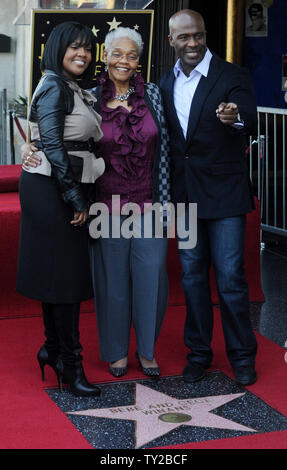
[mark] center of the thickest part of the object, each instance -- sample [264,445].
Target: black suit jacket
[209,167]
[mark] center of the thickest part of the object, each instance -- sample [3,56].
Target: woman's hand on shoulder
[29,159]
[79,218]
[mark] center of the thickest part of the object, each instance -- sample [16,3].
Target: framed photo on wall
[256,19]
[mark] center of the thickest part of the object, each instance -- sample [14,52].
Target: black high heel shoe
[150,371]
[74,376]
[118,371]
[47,359]
[69,367]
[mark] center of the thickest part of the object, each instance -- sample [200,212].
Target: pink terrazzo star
[153,408]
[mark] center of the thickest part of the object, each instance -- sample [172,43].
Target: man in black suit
[210,108]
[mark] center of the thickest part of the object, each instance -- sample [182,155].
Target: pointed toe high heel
[118,371]
[149,371]
[45,358]
[74,376]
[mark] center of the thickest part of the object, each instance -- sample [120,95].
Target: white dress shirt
[185,87]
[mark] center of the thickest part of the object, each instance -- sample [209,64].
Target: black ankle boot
[74,376]
[47,358]
[70,369]
[49,352]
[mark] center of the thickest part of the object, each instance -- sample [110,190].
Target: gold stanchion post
[234,30]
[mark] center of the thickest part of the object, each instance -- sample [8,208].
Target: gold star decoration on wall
[114,24]
[95,31]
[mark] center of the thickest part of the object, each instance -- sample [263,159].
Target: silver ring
[28,158]
[30,153]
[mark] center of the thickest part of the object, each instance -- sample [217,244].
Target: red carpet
[30,420]
[9,177]
[12,304]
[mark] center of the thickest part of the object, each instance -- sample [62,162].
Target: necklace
[125,95]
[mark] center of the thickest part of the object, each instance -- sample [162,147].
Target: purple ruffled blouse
[127,146]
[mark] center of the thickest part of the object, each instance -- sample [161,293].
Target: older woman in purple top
[129,274]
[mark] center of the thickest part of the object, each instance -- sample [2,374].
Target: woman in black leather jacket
[129,273]
[53,264]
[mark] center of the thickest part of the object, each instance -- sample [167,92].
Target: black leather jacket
[52,101]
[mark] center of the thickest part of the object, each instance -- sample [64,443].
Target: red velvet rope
[20,128]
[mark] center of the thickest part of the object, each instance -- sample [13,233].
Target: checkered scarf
[164,167]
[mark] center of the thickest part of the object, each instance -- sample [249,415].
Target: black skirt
[53,256]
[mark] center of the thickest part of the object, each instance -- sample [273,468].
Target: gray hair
[120,33]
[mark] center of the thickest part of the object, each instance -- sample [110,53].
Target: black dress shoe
[193,372]
[245,375]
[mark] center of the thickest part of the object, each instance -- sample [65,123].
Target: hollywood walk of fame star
[156,413]
[95,31]
[114,24]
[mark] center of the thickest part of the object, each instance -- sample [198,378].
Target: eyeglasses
[129,57]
